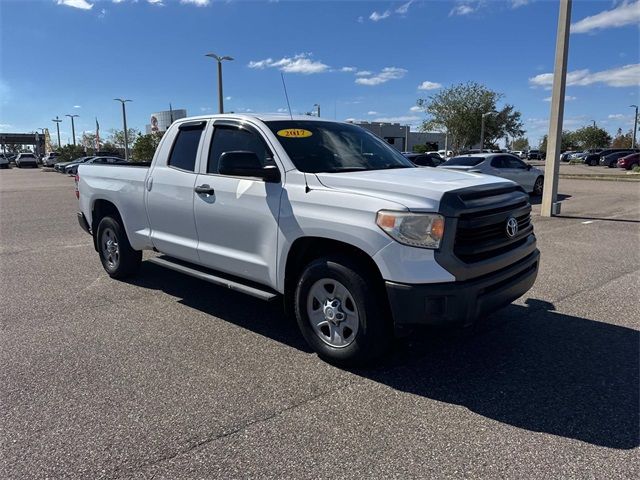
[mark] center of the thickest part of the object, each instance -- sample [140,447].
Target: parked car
[445,153]
[592,158]
[4,161]
[428,159]
[60,166]
[72,169]
[26,160]
[629,161]
[566,156]
[358,242]
[536,155]
[611,160]
[502,165]
[50,159]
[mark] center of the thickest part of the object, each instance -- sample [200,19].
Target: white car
[500,165]
[443,153]
[358,242]
[50,159]
[26,160]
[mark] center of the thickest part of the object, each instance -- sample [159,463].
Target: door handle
[204,190]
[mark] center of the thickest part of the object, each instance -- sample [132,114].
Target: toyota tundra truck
[360,244]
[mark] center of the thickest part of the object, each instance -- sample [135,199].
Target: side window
[515,163]
[185,148]
[497,162]
[230,139]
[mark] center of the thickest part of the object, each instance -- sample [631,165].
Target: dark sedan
[424,159]
[611,160]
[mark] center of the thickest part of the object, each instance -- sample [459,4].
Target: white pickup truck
[361,244]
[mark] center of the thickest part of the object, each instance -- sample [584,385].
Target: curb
[614,178]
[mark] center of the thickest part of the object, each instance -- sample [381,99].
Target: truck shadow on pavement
[526,366]
[537,199]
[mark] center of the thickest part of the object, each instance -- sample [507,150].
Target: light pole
[124,120]
[73,128]
[635,126]
[484,115]
[594,123]
[219,59]
[57,120]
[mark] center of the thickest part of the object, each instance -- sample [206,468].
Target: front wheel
[339,314]
[538,186]
[118,258]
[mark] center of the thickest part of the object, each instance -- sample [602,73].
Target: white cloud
[348,69]
[117,1]
[81,4]
[360,19]
[363,73]
[400,119]
[623,14]
[371,112]
[386,74]
[415,108]
[282,110]
[404,8]
[625,76]
[519,3]
[5,126]
[156,2]
[567,98]
[198,3]
[376,17]
[427,85]
[77,106]
[463,9]
[227,98]
[103,13]
[301,63]
[619,116]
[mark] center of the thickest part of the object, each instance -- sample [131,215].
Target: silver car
[26,160]
[500,165]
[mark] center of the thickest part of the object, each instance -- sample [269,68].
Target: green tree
[116,137]
[70,152]
[622,140]
[145,146]
[567,142]
[591,137]
[458,110]
[420,148]
[520,144]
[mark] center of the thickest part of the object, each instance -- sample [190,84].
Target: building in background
[160,121]
[402,138]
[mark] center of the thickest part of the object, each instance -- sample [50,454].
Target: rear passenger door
[170,191]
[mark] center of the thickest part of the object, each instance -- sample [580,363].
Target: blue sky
[358,60]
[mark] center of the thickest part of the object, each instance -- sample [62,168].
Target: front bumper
[460,303]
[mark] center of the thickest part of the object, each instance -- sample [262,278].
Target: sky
[358,60]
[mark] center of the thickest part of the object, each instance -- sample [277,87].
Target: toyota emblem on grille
[512,227]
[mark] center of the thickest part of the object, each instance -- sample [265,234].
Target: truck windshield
[316,146]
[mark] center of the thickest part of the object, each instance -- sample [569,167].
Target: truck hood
[414,188]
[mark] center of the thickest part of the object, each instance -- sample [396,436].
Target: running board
[178,266]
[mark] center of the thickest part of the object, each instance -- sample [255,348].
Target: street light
[484,115]
[124,120]
[635,125]
[73,128]
[57,120]
[219,60]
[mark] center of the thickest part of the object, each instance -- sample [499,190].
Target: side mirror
[242,163]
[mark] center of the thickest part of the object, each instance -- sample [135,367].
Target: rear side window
[185,148]
[464,161]
[230,139]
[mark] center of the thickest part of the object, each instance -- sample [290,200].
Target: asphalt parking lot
[168,377]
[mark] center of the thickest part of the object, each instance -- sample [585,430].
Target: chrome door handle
[204,190]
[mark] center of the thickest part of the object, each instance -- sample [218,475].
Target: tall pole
[554,139]
[124,121]
[219,59]
[484,115]
[57,120]
[635,126]
[73,127]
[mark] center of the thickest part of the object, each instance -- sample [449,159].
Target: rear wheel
[340,316]
[632,166]
[118,258]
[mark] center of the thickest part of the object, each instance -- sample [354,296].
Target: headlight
[423,230]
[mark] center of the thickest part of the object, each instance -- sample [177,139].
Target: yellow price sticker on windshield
[294,133]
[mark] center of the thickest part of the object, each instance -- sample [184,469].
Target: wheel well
[305,250]
[101,209]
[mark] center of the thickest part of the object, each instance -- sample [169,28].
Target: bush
[70,152]
[636,169]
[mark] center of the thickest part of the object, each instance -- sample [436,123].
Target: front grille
[481,231]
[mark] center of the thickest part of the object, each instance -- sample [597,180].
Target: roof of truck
[265,117]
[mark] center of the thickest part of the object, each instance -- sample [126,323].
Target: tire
[630,167]
[336,286]
[538,186]
[593,163]
[118,258]
[611,165]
